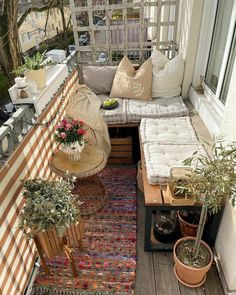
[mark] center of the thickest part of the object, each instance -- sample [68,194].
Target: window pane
[218,42]
[229,70]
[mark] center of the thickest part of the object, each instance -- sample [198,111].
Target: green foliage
[214,178]
[48,204]
[32,63]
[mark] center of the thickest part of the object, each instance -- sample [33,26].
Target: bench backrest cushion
[99,79]
[129,83]
[167,75]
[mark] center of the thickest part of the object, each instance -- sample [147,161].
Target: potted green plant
[213,181]
[49,213]
[34,68]
[177,191]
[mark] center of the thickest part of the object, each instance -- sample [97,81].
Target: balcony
[27,148]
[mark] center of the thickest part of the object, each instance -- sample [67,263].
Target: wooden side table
[88,187]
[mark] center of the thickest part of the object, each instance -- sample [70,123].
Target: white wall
[188,36]
[226,239]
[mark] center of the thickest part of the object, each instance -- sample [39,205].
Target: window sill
[210,117]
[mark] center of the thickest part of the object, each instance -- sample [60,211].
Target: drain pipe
[33,274]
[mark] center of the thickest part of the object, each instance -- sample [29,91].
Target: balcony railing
[15,128]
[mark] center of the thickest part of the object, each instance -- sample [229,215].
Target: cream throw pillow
[167,75]
[129,83]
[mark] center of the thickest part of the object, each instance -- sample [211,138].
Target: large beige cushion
[167,75]
[99,79]
[129,83]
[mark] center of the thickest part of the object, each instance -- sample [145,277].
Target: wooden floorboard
[144,260]
[165,280]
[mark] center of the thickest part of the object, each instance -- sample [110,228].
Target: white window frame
[204,51]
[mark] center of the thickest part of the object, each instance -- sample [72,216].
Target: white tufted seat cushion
[167,131]
[159,158]
[116,115]
[157,108]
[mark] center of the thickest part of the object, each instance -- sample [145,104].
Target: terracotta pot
[187,229]
[189,276]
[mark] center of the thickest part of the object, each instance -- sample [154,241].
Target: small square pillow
[167,75]
[129,83]
[99,79]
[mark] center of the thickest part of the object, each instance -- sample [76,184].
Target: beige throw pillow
[129,83]
[167,75]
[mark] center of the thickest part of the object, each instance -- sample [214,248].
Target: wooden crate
[121,150]
[179,201]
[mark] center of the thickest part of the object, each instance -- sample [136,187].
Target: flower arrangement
[70,131]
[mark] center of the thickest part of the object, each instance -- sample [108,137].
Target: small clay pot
[189,276]
[186,228]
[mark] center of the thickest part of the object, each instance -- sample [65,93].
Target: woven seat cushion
[159,158]
[167,131]
[157,108]
[116,115]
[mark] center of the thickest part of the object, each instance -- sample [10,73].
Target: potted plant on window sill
[213,181]
[50,217]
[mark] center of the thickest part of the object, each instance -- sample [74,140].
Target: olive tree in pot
[213,180]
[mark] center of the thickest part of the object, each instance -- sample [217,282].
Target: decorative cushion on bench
[167,131]
[159,158]
[117,115]
[97,78]
[129,83]
[161,107]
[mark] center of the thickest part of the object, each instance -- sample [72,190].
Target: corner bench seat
[133,110]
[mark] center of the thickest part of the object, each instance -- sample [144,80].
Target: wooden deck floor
[155,275]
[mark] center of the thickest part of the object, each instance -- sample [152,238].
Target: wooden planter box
[52,244]
[178,200]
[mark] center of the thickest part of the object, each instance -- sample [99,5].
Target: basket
[140,177]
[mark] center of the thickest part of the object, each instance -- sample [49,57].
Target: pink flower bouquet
[70,131]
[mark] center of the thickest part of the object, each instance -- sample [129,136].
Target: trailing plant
[48,204]
[213,181]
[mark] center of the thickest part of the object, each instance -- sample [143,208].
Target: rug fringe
[52,291]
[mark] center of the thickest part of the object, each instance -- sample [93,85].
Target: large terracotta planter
[39,76]
[52,244]
[189,276]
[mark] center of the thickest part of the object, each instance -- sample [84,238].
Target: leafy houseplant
[48,204]
[213,181]
[70,134]
[34,68]
[49,214]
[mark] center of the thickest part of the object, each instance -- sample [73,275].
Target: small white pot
[73,149]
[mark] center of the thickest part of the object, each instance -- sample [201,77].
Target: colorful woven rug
[108,262]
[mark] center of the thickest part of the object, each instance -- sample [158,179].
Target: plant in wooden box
[70,134]
[178,192]
[212,181]
[50,217]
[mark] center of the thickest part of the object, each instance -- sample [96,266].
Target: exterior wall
[34,26]
[188,34]
[226,239]
[31,159]
[218,122]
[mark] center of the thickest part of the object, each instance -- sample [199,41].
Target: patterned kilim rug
[107,264]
